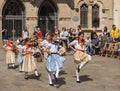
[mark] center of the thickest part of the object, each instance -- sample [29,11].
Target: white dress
[77,45]
[54,60]
[29,64]
[19,56]
[10,55]
[44,43]
[80,56]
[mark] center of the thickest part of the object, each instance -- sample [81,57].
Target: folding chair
[118,50]
[109,49]
[105,48]
[114,50]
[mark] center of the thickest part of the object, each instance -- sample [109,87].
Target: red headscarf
[9,44]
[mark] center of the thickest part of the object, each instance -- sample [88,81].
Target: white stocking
[36,73]
[13,65]
[83,64]
[77,75]
[57,73]
[20,67]
[50,78]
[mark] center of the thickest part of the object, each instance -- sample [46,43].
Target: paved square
[101,74]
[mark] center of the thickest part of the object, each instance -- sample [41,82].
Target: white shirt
[63,35]
[31,49]
[53,47]
[8,48]
[21,48]
[44,43]
[25,35]
[88,41]
[77,45]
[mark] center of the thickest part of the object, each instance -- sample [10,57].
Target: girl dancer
[10,55]
[21,51]
[54,60]
[29,64]
[80,57]
[44,44]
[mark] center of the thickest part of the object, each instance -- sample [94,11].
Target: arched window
[13,17]
[95,16]
[47,16]
[84,16]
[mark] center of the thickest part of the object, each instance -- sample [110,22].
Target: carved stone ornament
[75,18]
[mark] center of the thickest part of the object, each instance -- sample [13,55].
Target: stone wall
[116,13]
[67,11]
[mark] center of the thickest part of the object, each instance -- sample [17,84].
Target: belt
[80,50]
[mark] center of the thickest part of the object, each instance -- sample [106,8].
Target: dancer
[44,44]
[20,55]
[80,57]
[10,55]
[54,61]
[29,64]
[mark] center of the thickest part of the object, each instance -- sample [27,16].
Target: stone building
[16,14]
[116,13]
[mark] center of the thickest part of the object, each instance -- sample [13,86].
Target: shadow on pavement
[32,76]
[85,78]
[16,66]
[60,82]
[62,72]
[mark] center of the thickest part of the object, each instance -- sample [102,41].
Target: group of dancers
[52,49]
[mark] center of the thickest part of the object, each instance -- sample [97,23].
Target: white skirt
[80,57]
[54,62]
[29,64]
[10,57]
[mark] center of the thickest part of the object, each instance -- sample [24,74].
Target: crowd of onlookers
[94,41]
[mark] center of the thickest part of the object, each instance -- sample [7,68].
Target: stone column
[31,17]
[31,22]
[0,31]
[90,17]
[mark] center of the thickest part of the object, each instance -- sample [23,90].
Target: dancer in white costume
[21,52]
[29,64]
[44,44]
[54,61]
[80,57]
[10,55]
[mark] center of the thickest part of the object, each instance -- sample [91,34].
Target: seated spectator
[64,37]
[115,33]
[109,38]
[105,31]
[95,44]
[93,33]
[89,46]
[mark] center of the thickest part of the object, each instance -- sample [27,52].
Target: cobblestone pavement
[101,74]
